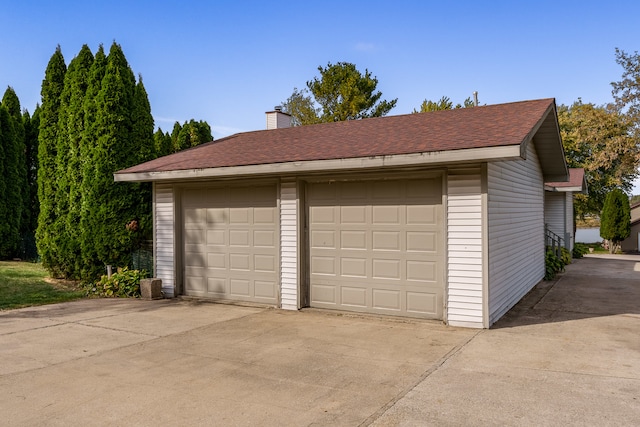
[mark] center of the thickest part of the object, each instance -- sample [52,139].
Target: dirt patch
[63,284]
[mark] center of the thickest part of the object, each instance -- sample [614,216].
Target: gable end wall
[515,204]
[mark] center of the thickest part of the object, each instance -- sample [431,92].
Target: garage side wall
[465,248]
[516,230]
[554,212]
[164,237]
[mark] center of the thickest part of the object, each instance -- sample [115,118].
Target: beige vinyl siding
[163,237]
[464,248]
[516,230]
[289,245]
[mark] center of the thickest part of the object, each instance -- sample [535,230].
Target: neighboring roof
[487,133]
[577,182]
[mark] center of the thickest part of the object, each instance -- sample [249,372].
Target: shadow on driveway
[594,286]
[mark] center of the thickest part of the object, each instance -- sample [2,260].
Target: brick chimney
[278,119]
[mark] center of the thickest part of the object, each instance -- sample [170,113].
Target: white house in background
[435,215]
[558,205]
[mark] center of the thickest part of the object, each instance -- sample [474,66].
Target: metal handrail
[553,241]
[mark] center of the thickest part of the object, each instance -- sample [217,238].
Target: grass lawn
[23,284]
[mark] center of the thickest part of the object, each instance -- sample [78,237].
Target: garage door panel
[386,269]
[323,239]
[386,215]
[421,302]
[216,237]
[239,238]
[239,216]
[216,216]
[389,253]
[231,236]
[421,271]
[386,299]
[420,214]
[353,296]
[216,260]
[239,262]
[264,238]
[386,240]
[422,241]
[264,263]
[264,216]
[353,267]
[323,265]
[353,215]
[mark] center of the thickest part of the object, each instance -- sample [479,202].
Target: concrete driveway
[569,354]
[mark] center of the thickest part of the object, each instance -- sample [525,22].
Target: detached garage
[434,215]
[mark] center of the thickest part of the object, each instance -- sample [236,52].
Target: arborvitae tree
[162,143]
[107,206]
[10,192]
[142,137]
[4,209]
[12,103]
[68,163]
[52,86]
[615,220]
[31,126]
[87,145]
[191,134]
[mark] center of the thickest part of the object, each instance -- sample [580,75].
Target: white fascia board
[509,152]
[563,189]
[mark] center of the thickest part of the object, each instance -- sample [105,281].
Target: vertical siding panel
[464,247]
[289,245]
[516,230]
[163,237]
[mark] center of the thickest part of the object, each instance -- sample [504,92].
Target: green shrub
[124,283]
[553,264]
[579,250]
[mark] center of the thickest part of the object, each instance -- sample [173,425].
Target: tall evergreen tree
[10,192]
[31,126]
[615,220]
[142,137]
[108,206]
[162,143]
[52,87]
[87,145]
[68,173]
[4,209]
[12,103]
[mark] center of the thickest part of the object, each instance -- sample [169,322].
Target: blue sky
[227,62]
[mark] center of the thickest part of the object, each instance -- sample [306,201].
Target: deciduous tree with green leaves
[600,140]
[615,220]
[443,104]
[340,93]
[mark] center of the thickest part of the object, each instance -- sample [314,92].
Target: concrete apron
[568,354]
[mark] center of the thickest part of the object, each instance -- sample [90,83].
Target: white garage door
[231,242]
[377,246]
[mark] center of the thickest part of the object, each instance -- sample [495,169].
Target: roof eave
[509,152]
[546,137]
